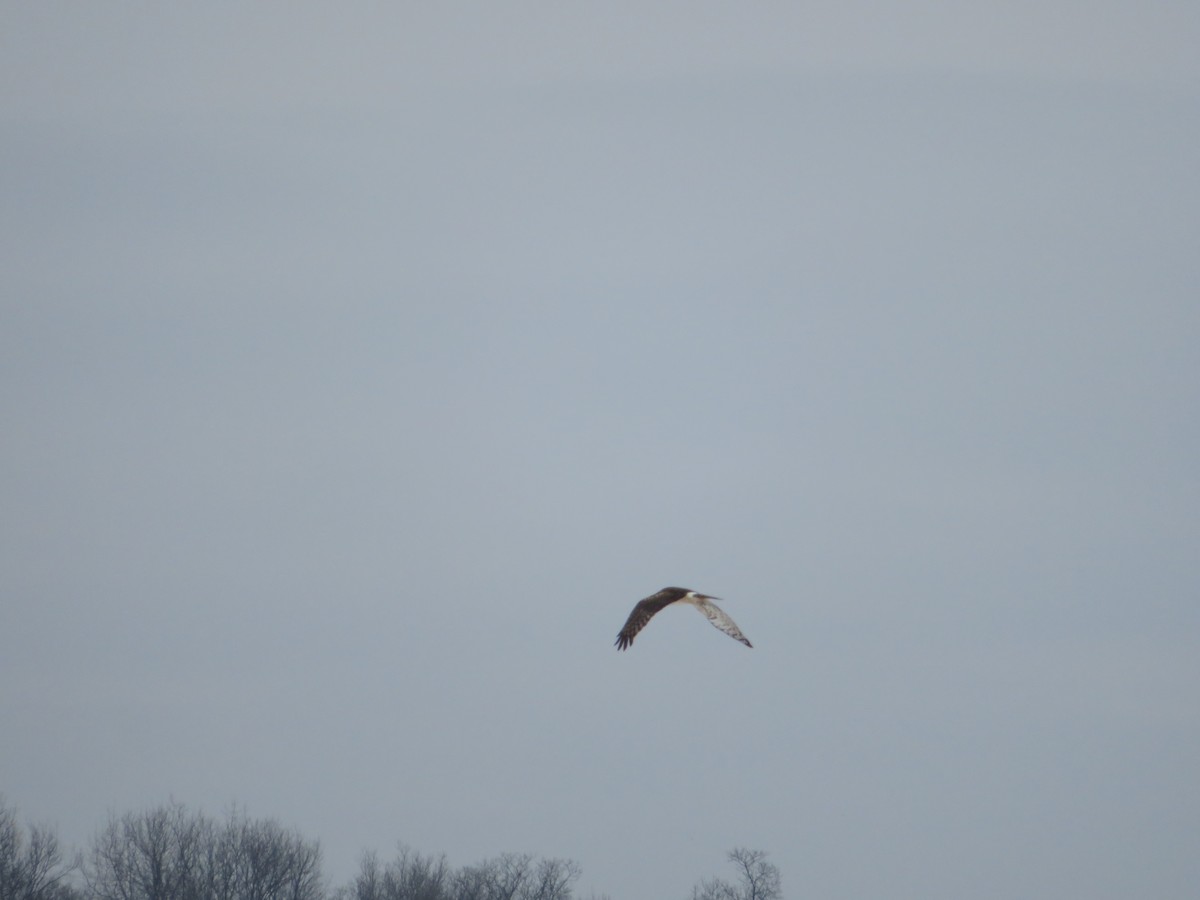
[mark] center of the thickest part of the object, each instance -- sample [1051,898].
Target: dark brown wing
[644,612]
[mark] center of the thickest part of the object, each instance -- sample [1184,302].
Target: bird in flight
[645,610]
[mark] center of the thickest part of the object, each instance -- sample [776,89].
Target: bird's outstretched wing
[644,612]
[719,618]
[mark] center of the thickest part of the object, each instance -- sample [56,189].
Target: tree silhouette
[31,868]
[170,854]
[410,876]
[757,879]
[510,876]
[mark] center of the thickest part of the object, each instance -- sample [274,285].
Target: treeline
[171,853]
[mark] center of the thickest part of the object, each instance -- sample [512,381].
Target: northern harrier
[645,610]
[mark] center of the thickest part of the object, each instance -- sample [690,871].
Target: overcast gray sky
[360,366]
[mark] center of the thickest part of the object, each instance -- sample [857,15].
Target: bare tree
[517,876]
[368,883]
[31,868]
[410,876]
[413,876]
[552,880]
[171,854]
[472,883]
[260,860]
[156,855]
[508,875]
[757,879]
[416,877]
